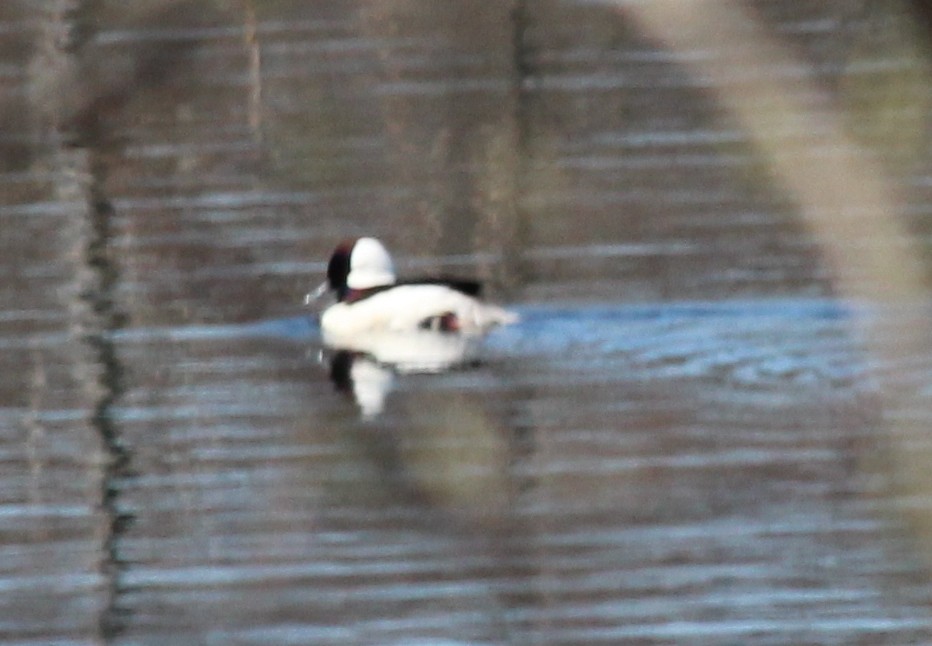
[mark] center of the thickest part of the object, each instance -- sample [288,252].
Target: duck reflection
[447,445]
[447,448]
[367,368]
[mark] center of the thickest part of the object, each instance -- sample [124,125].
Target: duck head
[362,263]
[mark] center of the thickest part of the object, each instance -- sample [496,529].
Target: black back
[468,287]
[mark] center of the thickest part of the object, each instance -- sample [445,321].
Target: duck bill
[312,296]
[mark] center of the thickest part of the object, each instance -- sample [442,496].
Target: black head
[338,268]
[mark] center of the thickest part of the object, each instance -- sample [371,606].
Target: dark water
[684,440]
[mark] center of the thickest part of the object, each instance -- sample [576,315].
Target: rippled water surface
[684,440]
[692,471]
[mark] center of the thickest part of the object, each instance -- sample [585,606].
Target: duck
[370,300]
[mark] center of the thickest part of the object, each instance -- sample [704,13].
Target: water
[684,440]
[602,469]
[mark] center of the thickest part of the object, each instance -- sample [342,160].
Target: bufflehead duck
[371,300]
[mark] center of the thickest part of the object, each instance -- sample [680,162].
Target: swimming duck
[370,298]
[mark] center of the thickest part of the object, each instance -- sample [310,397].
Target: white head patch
[370,265]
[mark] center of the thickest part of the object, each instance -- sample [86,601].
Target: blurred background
[711,425]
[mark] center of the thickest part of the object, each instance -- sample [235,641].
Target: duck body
[370,299]
[411,307]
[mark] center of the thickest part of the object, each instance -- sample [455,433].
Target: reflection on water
[702,471]
[370,376]
[596,471]
[365,364]
[415,351]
